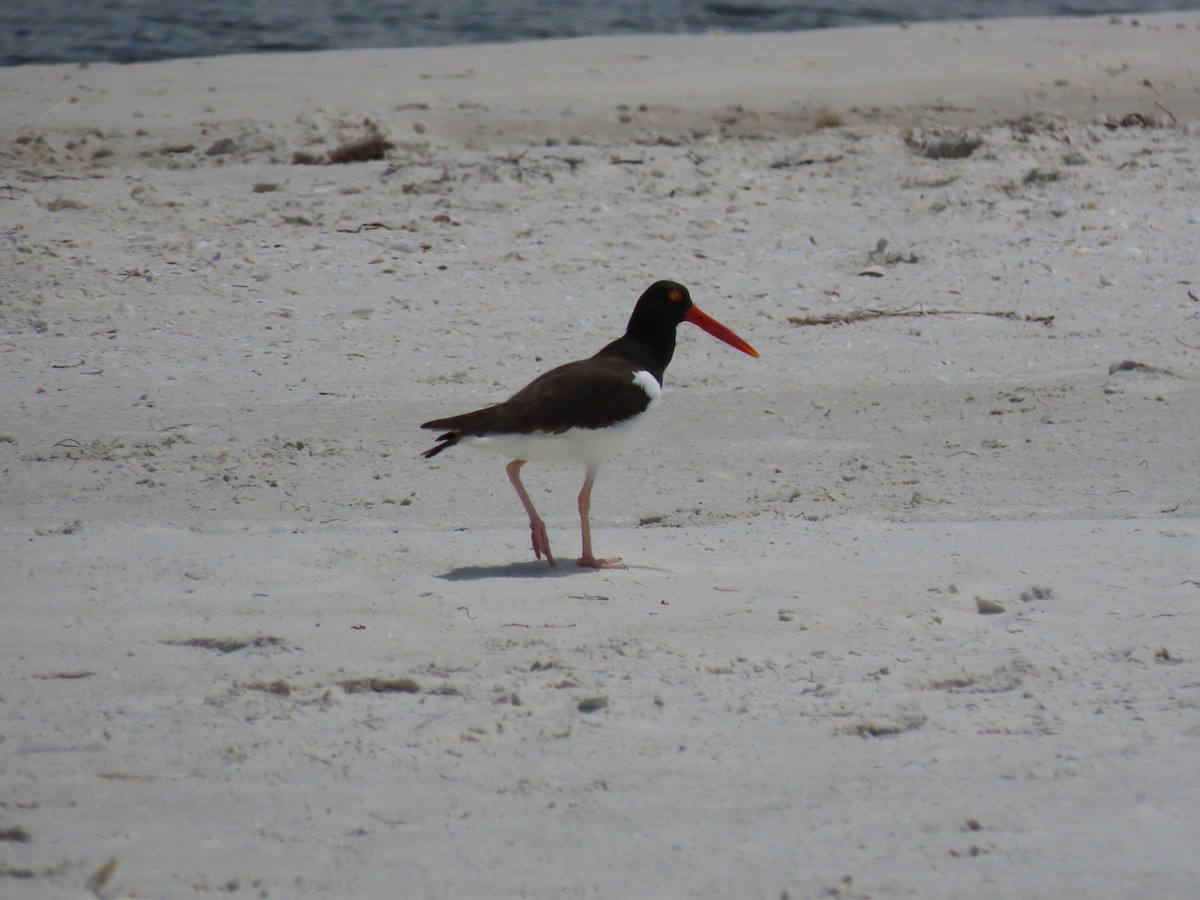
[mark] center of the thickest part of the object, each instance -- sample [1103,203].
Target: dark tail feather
[445,442]
[476,422]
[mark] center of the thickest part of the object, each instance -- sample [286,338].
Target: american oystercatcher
[585,411]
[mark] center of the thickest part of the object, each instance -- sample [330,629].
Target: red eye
[674,295]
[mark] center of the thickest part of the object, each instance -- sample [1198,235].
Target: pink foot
[591,562]
[541,541]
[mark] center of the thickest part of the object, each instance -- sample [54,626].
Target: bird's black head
[660,309]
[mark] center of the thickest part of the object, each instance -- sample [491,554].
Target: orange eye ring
[674,295]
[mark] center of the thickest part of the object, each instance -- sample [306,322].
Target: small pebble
[988,607]
[222,147]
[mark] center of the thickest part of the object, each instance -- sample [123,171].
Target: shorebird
[585,411]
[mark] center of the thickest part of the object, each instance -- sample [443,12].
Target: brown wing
[590,393]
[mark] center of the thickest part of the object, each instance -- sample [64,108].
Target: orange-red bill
[719,331]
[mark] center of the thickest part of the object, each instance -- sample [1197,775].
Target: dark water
[71,31]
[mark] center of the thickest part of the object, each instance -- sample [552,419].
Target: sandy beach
[912,606]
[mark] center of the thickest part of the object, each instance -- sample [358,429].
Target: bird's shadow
[514,570]
[564,569]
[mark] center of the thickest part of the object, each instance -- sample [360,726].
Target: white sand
[214,364]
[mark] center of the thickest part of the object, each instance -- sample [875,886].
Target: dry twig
[862,315]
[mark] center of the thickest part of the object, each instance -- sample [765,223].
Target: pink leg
[585,508]
[537,528]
